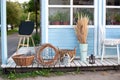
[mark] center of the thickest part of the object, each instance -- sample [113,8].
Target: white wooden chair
[109,43]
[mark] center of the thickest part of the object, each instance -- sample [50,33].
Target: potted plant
[57,20]
[65,18]
[81,30]
[117,19]
[51,19]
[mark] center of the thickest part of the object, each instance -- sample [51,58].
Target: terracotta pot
[56,23]
[65,23]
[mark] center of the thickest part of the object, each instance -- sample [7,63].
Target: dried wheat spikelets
[81,28]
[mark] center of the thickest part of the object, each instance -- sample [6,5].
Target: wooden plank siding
[115,34]
[65,38]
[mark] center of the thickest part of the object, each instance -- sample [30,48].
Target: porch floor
[106,64]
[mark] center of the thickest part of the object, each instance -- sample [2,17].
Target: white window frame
[71,6]
[105,6]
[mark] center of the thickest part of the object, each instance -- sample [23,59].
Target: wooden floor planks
[74,63]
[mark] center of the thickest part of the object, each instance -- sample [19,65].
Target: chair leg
[118,55]
[103,51]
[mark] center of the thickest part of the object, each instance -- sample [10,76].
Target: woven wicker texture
[22,60]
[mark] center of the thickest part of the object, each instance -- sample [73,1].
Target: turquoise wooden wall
[65,38]
[112,33]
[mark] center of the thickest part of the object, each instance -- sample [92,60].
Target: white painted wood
[65,26]
[46,19]
[82,63]
[95,25]
[8,64]
[113,7]
[108,63]
[110,60]
[98,63]
[3,32]
[95,64]
[40,66]
[18,66]
[71,13]
[35,65]
[61,65]
[59,6]
[13,65]
[100,25]
[103,62]
[112,26]
[72,64]
[87,63]
[115,60]
[83,6]
[29,66]
[57,64]
[77,63]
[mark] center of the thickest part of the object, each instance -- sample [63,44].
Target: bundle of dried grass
[81,28]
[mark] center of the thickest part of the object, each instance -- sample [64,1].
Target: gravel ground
[100,75]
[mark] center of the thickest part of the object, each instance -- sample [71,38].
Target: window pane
[113,16]
[59,2]
[83,11]
[113,2]
[59,16]
[83,2]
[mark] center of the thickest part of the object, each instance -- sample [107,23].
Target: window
[83,2]
[64,12]
[112,12]
[59,13]
[83,11]
[59,16]
[113,2]
[59,2]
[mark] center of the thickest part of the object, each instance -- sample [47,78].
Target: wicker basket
[22,60]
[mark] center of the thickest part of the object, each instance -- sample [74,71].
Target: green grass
[12,31]
[44,72]
[13,75]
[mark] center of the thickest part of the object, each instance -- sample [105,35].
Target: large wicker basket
[22,60]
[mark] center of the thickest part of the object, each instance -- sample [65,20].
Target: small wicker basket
[22,60]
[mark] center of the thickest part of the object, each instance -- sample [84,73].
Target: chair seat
[111,42]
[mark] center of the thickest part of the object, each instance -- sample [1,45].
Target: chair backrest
[102,33]
[26,28]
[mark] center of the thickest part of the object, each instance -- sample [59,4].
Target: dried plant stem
[81,29]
